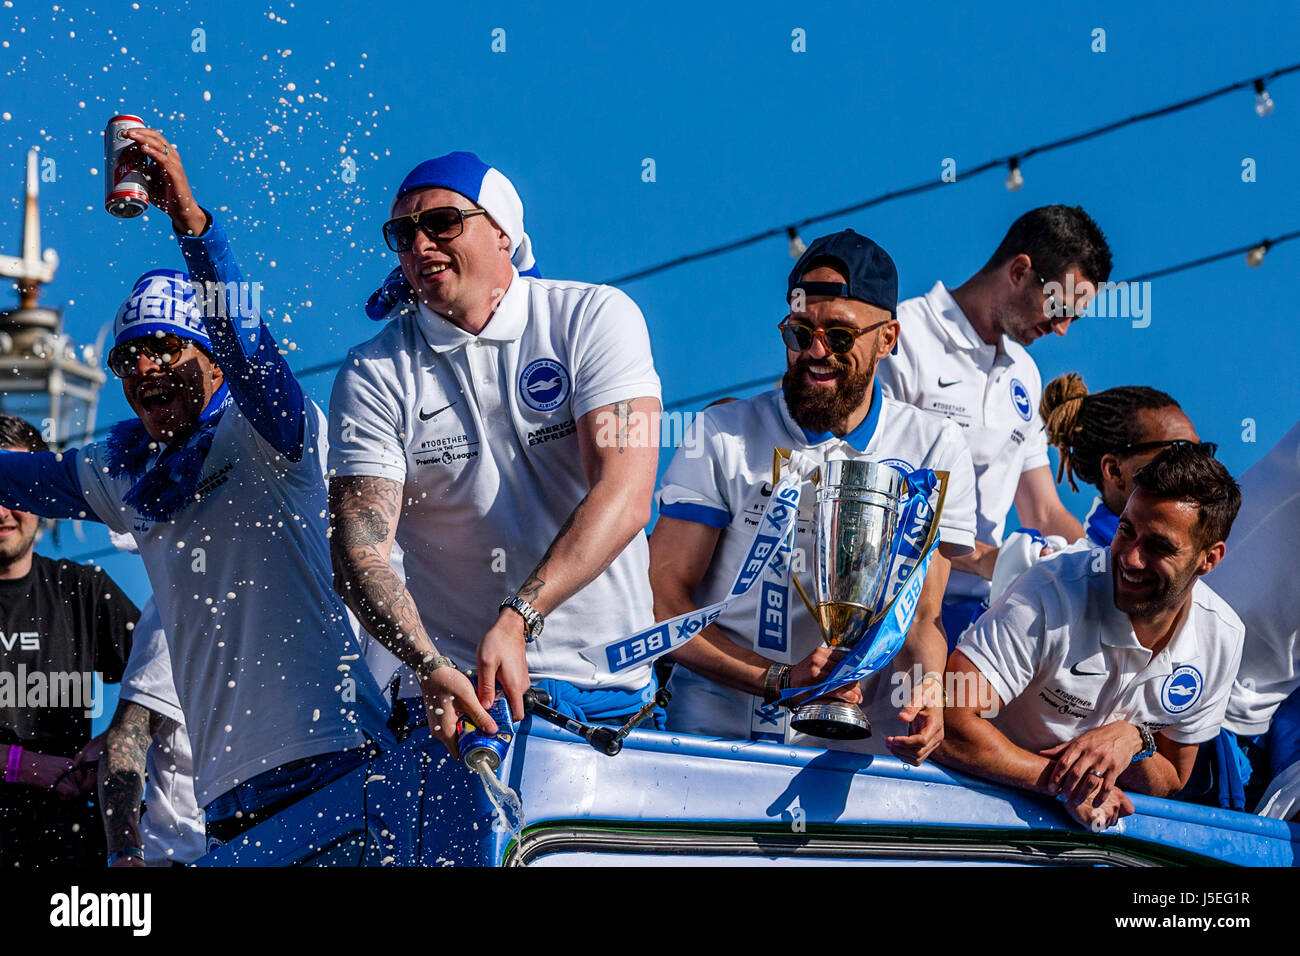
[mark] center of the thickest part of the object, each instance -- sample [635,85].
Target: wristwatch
[1148,743]
[533,620]
[430,663]
[775,680]
[132,851]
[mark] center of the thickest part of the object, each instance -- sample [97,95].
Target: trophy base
[833,720]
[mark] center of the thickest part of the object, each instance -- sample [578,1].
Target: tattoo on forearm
[121,774]
[531,589]
[621,410]
[363,513]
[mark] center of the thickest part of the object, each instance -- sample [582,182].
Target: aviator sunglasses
[439,224]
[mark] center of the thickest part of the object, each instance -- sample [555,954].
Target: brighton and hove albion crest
[544,385]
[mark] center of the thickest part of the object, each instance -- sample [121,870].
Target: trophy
[858,505]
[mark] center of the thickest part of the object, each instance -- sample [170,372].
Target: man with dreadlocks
[220,480]
[1103,438]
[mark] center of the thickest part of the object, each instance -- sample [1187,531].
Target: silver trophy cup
[858,504]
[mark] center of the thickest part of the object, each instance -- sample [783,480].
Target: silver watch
[533,620]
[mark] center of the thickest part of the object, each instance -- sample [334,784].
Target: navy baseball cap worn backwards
[872,277]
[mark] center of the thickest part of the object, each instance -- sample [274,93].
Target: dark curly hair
[1185,473]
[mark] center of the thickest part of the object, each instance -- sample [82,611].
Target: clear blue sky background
[745,134]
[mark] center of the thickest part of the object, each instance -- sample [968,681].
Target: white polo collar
[955,324]
[1117,631]
[506,325]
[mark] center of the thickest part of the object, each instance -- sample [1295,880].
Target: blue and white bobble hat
[161,301]
[482,185]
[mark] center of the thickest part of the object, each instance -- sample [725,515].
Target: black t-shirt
[62,622]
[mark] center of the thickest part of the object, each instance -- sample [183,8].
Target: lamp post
[44,377]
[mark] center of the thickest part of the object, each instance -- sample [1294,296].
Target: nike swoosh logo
[425,417]
[943,384]
[1074,669]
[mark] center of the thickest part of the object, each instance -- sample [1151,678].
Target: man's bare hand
[1090,764]
[82,775]
[502,659]
[1102,813]
[448,694]
[814,669]
[169,187]
[924,717]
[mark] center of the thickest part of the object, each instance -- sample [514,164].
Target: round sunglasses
[164,351]
[836,339]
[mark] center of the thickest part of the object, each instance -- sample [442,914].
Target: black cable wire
[999,163]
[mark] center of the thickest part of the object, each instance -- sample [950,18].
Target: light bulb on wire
[1255,256]
[1263,102]
[797,247]
[1014,179]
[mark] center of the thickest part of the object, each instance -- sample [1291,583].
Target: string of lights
[1012,163]
[1015,179]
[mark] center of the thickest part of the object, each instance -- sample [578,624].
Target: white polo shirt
[991,391]
[264,661]
[721,477]
[173,825]
[481,431]
[1258,578]
[1065,661]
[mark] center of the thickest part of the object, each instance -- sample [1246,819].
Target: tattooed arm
[619,444]
[121,775]
[363,521]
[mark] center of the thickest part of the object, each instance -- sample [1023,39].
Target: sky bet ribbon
[771,543]
[915,539]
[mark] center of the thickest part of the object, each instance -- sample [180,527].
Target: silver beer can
[125,194]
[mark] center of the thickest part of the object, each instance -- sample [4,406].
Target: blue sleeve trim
[700,514]
[43,483]
[258,376]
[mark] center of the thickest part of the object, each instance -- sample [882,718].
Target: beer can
[125,195]
[474,745]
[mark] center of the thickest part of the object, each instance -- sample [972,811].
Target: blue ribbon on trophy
[876,532]
[773,543]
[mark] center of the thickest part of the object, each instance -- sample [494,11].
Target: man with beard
[963,355]
[58,620]
[842,294]
[1107,667]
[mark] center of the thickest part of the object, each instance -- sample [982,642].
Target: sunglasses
[164,351]
[837,339]
[1204,447]
[439,224]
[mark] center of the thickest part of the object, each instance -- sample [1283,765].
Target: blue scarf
[161,491]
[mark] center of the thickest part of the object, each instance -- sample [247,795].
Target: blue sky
[745,134]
